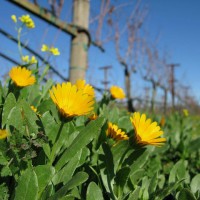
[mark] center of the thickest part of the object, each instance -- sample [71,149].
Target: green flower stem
[19,41]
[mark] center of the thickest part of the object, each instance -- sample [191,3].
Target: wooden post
[172,80]
[164,99]
[79,43]
[105,82]
[146,89]
[154,90]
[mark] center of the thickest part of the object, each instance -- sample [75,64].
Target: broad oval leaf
[94,192]
[44,174]
[27,187]
[10,103]
[195,183]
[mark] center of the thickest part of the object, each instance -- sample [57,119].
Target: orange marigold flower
[87,89]
[71,101]
[117,92]
[114,132]
[21,76]
[146,132]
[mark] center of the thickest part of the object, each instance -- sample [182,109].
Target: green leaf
[75,192]
[48,191]
[80,121]
[118,151]
[195,183]
[178,171]
[15,118]
[153,183]
[161,194]
[125,123]
[94,192]
[145,188]
[137,176]
[50,126]
[194,145]
[154,164]
[27,187]
[76,180]
[5,171]
[63,140]
[67,197]
[121,179]
[85,153]
[186,194]
[85,136]
[46,87]
[44,174]
[135,194]
[3,160]
[161,181]
[106,165]
[10,103]
[30,117]
[137,159]
[4,194]
[66,173]
[47,150]
[1,93]
[50,106]
[113,115]
[33,93]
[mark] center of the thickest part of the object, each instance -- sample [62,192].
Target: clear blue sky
[177,22]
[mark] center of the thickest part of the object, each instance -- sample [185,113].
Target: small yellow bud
[14,18]
[44,48]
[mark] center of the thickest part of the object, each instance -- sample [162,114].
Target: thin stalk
[19,41]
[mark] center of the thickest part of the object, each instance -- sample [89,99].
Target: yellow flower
[25,59]
[21,76]
[117,92]
[87,89]
[44,48]
[3,134]
[71,101]
[34,109]
[114,132]
[33,60]
[146,132]
[54,51]
[185,112]
[26,19]
[14,18]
